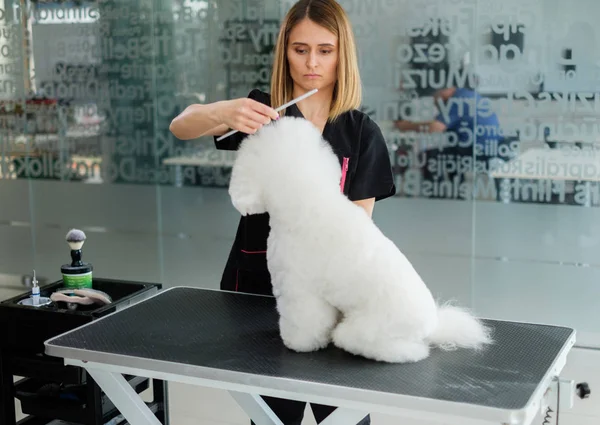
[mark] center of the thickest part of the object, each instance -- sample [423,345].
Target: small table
[231,341]
[51,390]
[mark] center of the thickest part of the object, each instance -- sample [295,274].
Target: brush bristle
[75,235]
[75,245]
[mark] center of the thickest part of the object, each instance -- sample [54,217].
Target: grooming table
[231,341]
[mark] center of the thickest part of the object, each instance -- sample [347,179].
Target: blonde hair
[330,15]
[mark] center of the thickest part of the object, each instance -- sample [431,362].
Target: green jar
[77,277]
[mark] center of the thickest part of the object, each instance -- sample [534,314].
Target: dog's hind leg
[305,321]
[364,336]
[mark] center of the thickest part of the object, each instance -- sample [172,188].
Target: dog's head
[286,158]
[247,179]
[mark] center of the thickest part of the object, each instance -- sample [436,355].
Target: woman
[315,49]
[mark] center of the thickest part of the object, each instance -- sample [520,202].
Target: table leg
[124,397]
[94,403]
[7,397]
[161,395]
[256,408]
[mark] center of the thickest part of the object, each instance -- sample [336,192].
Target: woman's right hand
[245,114]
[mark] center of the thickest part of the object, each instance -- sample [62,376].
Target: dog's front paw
[302,339]
[302,346]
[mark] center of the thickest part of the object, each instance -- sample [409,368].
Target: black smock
[367,173]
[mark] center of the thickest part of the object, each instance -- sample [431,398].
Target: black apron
[366,173]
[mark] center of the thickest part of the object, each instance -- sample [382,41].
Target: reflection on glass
[488,104]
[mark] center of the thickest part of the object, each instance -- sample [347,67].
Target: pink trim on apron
[344,172]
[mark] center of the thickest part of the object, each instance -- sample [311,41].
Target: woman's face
[312,53]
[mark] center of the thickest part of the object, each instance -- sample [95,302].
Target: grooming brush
[76,239]
[281,108]
[78,274]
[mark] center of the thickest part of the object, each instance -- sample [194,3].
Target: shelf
[65,404]
[34,420]
[46,368]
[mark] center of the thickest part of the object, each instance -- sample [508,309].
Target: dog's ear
[245,187]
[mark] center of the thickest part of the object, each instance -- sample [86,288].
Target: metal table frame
[108,369]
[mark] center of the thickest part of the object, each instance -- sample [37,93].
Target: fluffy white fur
[336,276]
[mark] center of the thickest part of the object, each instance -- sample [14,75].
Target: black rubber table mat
[239,332]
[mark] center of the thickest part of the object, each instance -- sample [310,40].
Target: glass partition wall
[497,207]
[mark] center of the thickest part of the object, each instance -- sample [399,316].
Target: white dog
[335,276]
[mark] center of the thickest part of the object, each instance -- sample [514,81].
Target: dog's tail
[457,327]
